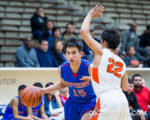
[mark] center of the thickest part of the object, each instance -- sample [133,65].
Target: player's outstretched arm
[61,84]
[85,33]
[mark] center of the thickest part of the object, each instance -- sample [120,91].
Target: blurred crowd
[49,52]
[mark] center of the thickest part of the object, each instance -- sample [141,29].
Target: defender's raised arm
[85,33]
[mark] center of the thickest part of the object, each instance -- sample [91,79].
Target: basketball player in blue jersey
[82,98]
[38,112]
[17,111]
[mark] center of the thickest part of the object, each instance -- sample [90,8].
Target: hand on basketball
[86,78]
[97,11]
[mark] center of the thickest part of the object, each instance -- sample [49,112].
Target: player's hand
[86,78]
[97,11]
[42,90]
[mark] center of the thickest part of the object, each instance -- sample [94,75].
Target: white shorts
[111,105]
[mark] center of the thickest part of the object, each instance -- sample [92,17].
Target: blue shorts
[75,111]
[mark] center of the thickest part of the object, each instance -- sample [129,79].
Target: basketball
[31,96]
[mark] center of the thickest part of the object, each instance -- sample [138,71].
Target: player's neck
[113,51]
[75,67]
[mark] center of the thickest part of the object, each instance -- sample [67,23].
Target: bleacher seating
[15,19]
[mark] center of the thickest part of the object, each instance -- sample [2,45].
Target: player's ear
[105,43]
[81,54]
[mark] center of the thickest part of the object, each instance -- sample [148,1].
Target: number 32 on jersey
[115,67]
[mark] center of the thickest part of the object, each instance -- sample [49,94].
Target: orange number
[81,93]
[75,93]
[110,66]
[119,68]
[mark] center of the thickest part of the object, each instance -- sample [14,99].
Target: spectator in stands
[45,56]
[68,33]
[51,102]
[38,112]
[16,110]
[145,39]
[58,52]
[74,28]
[56,35]
[135,110]
[93,34]
[119,53]
[64,94]
[131,60]
[26,55]
[38,22]
[130,38]
[48,29]
[142,93]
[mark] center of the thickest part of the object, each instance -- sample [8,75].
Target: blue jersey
[79,90]
[21,110]
[36,110]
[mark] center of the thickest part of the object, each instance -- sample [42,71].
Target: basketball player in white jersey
[109,75]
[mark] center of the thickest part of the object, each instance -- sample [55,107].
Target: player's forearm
[86,25]
[55,87]
[86,35]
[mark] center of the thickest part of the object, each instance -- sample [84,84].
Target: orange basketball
[31,96]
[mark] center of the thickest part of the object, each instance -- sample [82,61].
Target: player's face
[137,82]
[73,55]
[130,88]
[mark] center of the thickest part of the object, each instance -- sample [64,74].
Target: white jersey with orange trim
[109,72]
[106,80]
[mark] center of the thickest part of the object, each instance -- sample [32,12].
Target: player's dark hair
[112,37]
[136,75]
[130,81]
[74,42]
[38,84]
[21,87]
